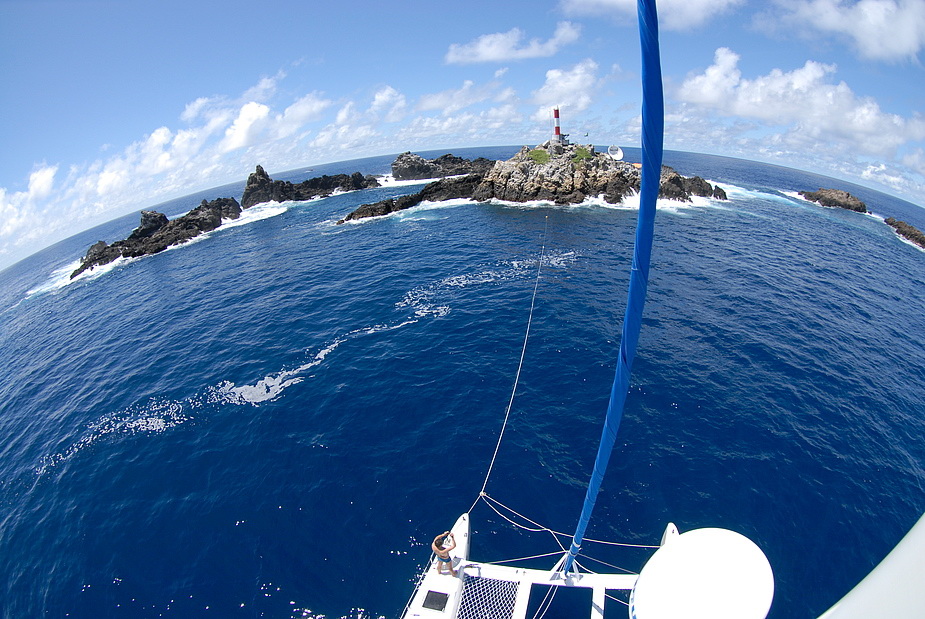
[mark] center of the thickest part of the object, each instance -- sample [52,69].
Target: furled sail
[652,132]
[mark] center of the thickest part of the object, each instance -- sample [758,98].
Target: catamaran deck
[492,591]
[502,592]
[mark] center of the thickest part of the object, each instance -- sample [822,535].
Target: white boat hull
[438,595]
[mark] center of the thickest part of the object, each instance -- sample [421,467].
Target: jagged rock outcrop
[835,197]
[569,174]
[151,222]
[907,231]
[261,188]
[409,166]
[673,186]
[443,189]
[562,174]
[155,233]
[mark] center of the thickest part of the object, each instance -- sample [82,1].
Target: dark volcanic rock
[907,231]
[673,186]
[156,233]
[568,174]
[563,174]
[409,166]
[151,222]
[261,188]
[443,189]
[835,197]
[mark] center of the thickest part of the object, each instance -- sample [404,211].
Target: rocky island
[261,188]
[155,233]
[843,199]
[907,231]
[411,167]
[835,197]
[555,172]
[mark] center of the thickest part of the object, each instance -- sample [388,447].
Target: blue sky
[109,107]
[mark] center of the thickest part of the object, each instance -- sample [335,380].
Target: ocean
[275,419]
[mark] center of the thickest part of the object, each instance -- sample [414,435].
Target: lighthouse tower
[558,137]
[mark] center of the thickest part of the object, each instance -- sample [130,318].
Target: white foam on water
[388,180]
[158,415]
[427,300]
[272,386]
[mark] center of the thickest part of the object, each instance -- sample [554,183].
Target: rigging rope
[540,528]
[523,352]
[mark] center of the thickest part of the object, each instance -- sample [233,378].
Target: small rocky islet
[156,233]
[842,199]
[552,171]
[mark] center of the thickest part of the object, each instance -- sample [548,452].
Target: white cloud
[297,115]
[804,102]
[246,127]
[194,109]
[915,160]
[41,182]
[264,89]
[16,207]
[452,100]
[880,29]
[507,46]
[390,103]
[568,88]
[672,14]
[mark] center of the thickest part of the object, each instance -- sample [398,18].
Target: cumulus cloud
[246,127]
[223,138]
[389,103]
[264,89]
[452,100]
[307,109]
[15,207]
[879,29]
[504,121]
[572,88]
[805,101]
[41,182]
[508,46]
[672,14]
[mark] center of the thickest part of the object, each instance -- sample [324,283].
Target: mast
[652,133]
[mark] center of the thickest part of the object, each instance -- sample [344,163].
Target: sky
[108,107]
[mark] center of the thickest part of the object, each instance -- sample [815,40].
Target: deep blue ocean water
[276,419]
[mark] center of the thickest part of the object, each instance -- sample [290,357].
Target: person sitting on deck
[443,552]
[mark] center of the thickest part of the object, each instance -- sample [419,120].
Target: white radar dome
[704,573]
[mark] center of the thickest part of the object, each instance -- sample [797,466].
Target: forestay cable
[520,365]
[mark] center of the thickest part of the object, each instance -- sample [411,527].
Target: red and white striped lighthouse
[558,137]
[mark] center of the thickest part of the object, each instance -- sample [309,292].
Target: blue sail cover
[652,133]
